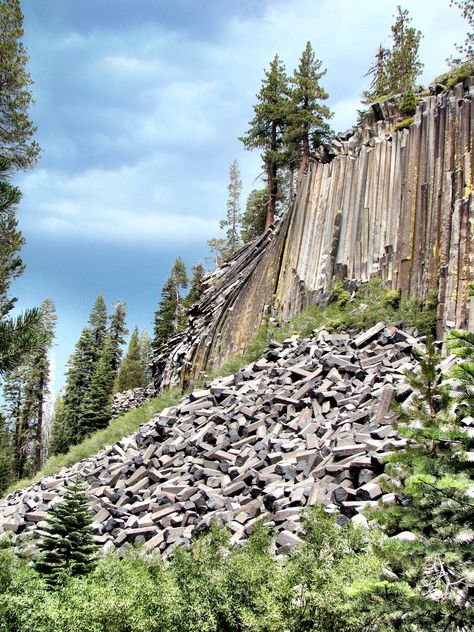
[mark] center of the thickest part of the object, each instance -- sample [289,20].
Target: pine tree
[267,129]
[307,121]
[118,332]
[68,548]
[434,501]
[80,369]
[217,247]
[97,402]
[465,50]
[227,247]
[131,372]
[171,314]
[397,68]
[146,355]
[22,335]
[7,464]
[16,128]
[60,439]
[197,286]
[403,64]
[253,220]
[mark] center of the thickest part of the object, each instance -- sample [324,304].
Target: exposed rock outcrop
[398,205]
[309,422]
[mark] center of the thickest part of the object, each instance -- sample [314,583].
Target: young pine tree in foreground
[435,504]
[68,547]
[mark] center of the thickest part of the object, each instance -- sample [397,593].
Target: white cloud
[163,113]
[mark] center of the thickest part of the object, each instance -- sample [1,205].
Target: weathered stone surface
[391,205]
[244,448]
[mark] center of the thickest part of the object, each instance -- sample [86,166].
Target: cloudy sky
[140,104]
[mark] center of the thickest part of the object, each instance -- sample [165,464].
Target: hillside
[309,422]
[382,202]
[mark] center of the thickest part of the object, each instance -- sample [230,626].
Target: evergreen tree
[146,355]
[217,247]
[307,121]
[197,286]
[465,50]
[267,129]
[68,547]
[131,372]
[7,464]
[171,314]
[253,220]
[396,69]
[118,332]
[39,377]
[60,439]
[25,393]
[16,128]
[98,395]
[81,368]
[22,335]
[434,501]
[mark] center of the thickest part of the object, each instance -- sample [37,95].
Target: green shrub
[408,104]
[404,124]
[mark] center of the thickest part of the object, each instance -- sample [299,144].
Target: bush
[404,124]
[408,104]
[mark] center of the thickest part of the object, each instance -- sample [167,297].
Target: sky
[139,107]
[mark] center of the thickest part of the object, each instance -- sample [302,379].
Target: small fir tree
[131,372]
[98,396]
[433,480]
[197,286]
[68,547]
[171,314]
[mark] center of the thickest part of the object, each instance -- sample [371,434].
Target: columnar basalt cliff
[397,205]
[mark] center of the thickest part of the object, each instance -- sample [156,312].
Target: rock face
[393,205]
[308,422]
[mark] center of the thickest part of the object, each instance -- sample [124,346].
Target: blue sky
[140,104]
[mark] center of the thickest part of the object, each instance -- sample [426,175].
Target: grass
[117,429]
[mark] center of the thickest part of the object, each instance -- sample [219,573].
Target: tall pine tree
[118,332]
[308,116]
[146,355]
[225,248]
[97,402]
[16,128]
[267,129]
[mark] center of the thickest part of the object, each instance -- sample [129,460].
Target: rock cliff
[397,205]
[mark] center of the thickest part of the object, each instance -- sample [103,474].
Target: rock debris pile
[309,422]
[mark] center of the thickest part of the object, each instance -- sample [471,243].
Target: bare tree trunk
[39,427]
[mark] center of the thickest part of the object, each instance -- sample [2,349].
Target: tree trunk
[272,180]
[304,160]
[39,426]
